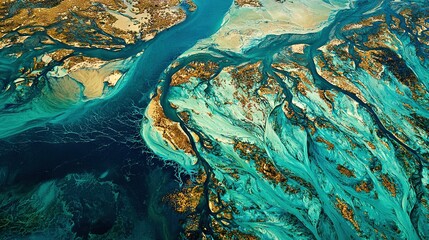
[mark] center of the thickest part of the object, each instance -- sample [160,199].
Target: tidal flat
[244,119]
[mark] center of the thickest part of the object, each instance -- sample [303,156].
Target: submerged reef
[301,131]
[80,206]
[67,208]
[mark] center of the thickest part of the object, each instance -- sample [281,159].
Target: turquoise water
[82,163]
[171,43]
[327,143]
[349,141]
[40,106]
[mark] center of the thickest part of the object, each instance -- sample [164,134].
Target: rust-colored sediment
[347,213]
[186,200]
[328,144]
[364,186]
[345,171]
[201,70]
[170,130]
[264,166]
[78,22]
[248,3]
[388,184]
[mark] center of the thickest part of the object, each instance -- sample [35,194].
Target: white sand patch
[298,48]
[87,64]
[92,79]
[244,27]
[130,21]
[113,78]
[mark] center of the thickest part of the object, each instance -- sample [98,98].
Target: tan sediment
[92,79]
[162,19]
[170,130]
[329,145]
[264,165]
[248,3]
[374,68]
[271,87]
[8,42]
[382,38]
[58,55]
[65,89]
[327,96]
[371,145]
[201,70]
[298,48]
[4,7]
[92,73]
[113,78]
[347,213]
[125,22]
[345,171]
[335,77]
[187,200]
[192,5]
[364,23]
[224,233]
[69,20]
[363,186]
[77,62]
[388,184]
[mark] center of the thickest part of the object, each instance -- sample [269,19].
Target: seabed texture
[214,119]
